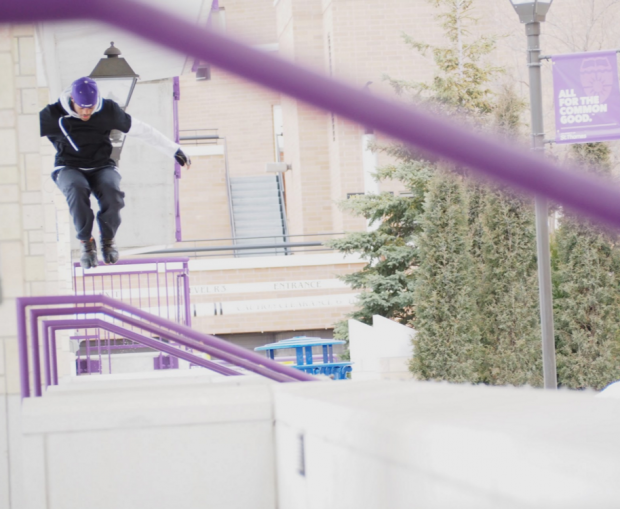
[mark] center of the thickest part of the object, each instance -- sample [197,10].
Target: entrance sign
[587,97]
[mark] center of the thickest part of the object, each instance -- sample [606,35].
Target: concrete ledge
[415,444]
[192,446]
[142,407]
[172,378]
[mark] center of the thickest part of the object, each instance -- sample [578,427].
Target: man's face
[84,113]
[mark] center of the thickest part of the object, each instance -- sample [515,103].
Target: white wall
[148,175]
[399,445]
[380,351]
[187,446]
[205,441]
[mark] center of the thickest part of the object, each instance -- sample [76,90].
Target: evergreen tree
[586,288]
[461,84]
[505,234]
[387,280]
[509,291]
[467,266]
[447,345]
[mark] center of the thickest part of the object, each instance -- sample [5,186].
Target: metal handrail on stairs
[164,329]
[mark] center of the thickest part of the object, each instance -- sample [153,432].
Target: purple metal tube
[208,348]
[145,340]
[37,313]
[204,339]
[22,348]
[178,297]
[188,310]
[54,360]
[36,358]
[49,331]
[591,196]
[167,295]
[109,353]
[46,356]
[158,294]
[177,332]
[156,330]
[106,282]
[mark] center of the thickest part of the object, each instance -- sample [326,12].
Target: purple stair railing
[133,318]
[157,285]
[160,284]
[50,364]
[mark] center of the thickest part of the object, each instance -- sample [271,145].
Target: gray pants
[77,186]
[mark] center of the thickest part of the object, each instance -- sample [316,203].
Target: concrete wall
[148,175]
[191,445]
[194,440]
[381,351]
[415,444]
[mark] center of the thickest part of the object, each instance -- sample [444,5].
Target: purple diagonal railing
[35,314]
[434,134]
[49,344]
[123,312]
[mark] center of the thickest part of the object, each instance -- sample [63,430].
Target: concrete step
[260,181]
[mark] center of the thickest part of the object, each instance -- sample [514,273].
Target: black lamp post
[116,80]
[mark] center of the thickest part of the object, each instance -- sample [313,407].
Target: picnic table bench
[304,358]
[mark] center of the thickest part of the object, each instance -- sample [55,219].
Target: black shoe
[108,250]
[89,254]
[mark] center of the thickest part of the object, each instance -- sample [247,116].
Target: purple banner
[587,98]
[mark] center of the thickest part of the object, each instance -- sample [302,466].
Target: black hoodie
[79,143]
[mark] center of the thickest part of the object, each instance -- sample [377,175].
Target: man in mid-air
[79,126]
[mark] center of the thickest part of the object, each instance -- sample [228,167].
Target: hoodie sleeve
[122,120]
[153,137]
[48,121]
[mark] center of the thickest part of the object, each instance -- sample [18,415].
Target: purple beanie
[84,92]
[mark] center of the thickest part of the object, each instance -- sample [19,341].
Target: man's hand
[182,159]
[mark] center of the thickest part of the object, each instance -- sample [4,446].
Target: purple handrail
[168,334]
[180,333]
[434,134]
[51,378]
[175,275]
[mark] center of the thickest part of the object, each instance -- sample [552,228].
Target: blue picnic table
[305,360]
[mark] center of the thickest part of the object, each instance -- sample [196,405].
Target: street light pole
[531,14]
[542,210]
